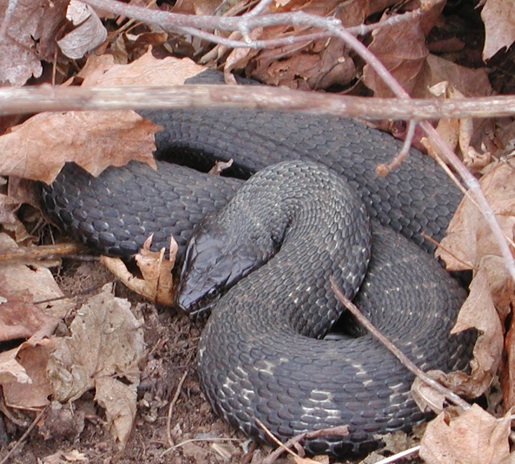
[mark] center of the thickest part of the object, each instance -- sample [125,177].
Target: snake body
[260,355]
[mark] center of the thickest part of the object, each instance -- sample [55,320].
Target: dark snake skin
[260,357]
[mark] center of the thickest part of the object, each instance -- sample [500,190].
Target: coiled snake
[261,355]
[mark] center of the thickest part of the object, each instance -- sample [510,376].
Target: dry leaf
[474,437]
[499,19]
[403,51]
[470,244]
[456,133]
[103,352]
[27,35]
[317,64]
[33,356]
[156,282]
[100,71]
[20,286]
[88,35]
[119,401]
[95,139]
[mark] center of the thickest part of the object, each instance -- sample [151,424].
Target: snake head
[217,257]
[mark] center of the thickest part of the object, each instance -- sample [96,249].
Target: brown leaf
[103,352]
[474,437]
[470,244]
[20,286]
[499,19]
[22,370]
[89,33]
[318,64]
[456,133]
[33,356]
[92,139]
[155,282]
[119,401]
[27,35]
[479,312]
[100,71]
[403,51]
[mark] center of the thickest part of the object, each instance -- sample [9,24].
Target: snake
[301,205]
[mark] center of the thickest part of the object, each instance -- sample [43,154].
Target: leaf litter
[67,365]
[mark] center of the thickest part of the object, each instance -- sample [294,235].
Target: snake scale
[263,354]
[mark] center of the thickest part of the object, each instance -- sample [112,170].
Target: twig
[400,455]
[384,169]
[196,440]
[412,367]
[46,98]
[476,193]
[24,436]
[171,408]
[281,446]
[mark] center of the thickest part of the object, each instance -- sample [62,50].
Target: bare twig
[412,367]
[281,446]
[476,194]
[24,436]
[46,98]
[400,455]
[197,440]
[384,169]
[171,408]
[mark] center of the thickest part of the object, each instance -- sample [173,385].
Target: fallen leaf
[22,370]
[156,282]
[316,64]
[101,71]
[20,287]
[103,352]
[403,52]
[89,33]
[119,401]
[470,244]
[474,437]
[457,133]
[499,19]
[33,356]
[27,35]
[92,139]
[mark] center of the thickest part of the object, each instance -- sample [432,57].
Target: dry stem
[412,367]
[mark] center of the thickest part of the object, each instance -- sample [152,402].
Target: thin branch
[7,457]
[46,98]
[400,455]
[477,194]
[383,169]
[171,408]
[412,367]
